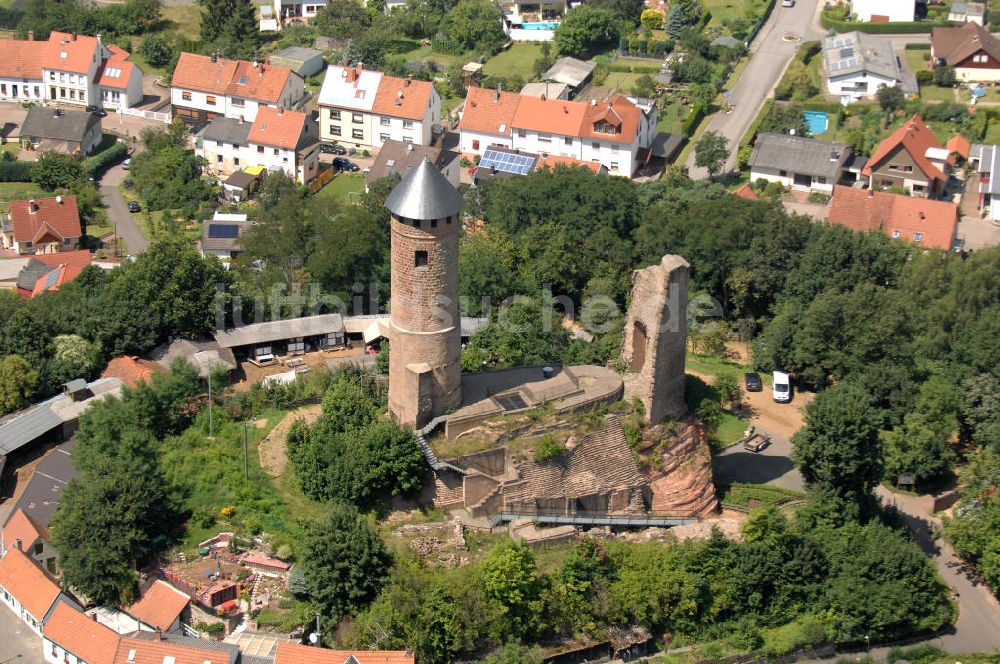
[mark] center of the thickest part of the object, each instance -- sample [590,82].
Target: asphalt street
[127,227]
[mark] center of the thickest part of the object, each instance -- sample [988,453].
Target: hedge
[829,21]
[15,171]
[97,164]
[691,121]
[917,47]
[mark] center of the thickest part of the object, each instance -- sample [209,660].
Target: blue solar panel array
[227,231]
[505,162]
[51,279]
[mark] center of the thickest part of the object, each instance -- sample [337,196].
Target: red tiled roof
[131,370]
[915,137]
[745,192]
[618,111]
[160,605]
[28,583]
[555,160]
[72,54]
[552,116]
[22,527]
[277,128]
[238,78]
[263,82]
[22,59]
[413,97]
[264,561]
[69,263]
[116,65]
[86,638]
[959,145]
[157,652]
[59,219]
[291,653]
[488,112]
[865,210]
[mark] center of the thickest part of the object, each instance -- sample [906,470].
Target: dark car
[332,148]
[128,184]
[133,206]
[753,382]
[756,443]
[341,164]
[97,110]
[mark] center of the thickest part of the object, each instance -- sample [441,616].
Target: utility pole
[210,398]
[246,475]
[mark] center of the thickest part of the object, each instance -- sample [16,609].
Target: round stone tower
[425,327]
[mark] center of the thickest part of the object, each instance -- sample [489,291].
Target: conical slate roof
[424,193]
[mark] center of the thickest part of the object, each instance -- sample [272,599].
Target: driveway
[978,233]
[20,645]
[769,57]
[126,225]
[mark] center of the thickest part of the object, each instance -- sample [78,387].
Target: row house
[28,591]
[205,87]
[69,69]
[277,140]
[617,134]
[366,108]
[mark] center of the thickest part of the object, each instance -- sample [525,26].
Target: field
[183,20]
[341,187]
[515,61]
[621,81]
[12,191]
[934,93]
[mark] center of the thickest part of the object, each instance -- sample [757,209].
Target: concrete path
[769,57]
[128,228]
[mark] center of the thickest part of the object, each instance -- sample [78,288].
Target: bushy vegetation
[132,17]
[167,174]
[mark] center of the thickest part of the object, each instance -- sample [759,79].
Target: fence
[324,176]
[149,115]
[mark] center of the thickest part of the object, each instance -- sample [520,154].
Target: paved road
[128,229]
[18,644]
[770,55]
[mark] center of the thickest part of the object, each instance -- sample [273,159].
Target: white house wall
[27,90]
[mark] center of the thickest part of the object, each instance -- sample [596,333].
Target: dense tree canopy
[587,30]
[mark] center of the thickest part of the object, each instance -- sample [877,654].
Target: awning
[373,332]
[254,170]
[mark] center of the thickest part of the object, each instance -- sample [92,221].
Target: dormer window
[604,128]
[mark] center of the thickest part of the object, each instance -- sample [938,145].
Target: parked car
[753,382]
[787,3]
[133,206]
[127,163]
[781,391]
[128,184]
[97,110]
[332,148]
[341,164]
[756,442]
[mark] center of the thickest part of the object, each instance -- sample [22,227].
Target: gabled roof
[292,653]
[22,527]
[131,370]
[424,193]
[71,52]
[227,130]
[915,137]
[63,124]
[115,72]
[398,157]
[489,111]
[798,154]
[955,44]
[745,192]
[895,214]
[22,59]
[58,215]
[959,145]
[199,72]
[402,97]
[263,82]
[69,263]
[280,128]
[237,78]
[854,52]
[618,111]
[86,638]
[27,583]
[552,116]
[350,87]
[570,71]
[552,161]
[159,606]
[150,648]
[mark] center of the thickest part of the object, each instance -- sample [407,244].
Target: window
[521,133]
[276,152]
[62,93]
[52,76]
[917,237]
[614,165]
[407,124]
[420,259]
[218,158]
[357,133]
[782,174]
[895,234]
[238,102]
[185,95]
[260,149]
[544,138]
[383,137]
[236,162]
[595,146]
[38,545]
[284,160]
[416,223]
[888,183]
[434,223]
[407,139]
[334,114]
[819,180]
[38,91]
[72,93]
[568,141]
[384,121]
[357,118]
[334,130]
[210,100]
[3,89]
[475,144]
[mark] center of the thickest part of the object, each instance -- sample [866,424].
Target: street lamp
[868,643]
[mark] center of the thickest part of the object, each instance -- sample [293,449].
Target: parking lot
[19,644]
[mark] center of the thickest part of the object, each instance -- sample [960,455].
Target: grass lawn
[621,81]
[725,11]
[13,147]
[670,116]
[515,61]
[14,191]
[425,54]
[341,186]
[916,62]
[141,63]
[742,494]
[934,93]
[992,95]
[183,20]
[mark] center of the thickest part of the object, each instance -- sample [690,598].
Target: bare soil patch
[271,450]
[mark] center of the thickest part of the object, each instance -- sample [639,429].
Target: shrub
[925,77]
[547,448]
[819,197]
[97,164]
[918,47]
[691,121]
[15,171]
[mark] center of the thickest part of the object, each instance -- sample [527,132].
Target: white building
[70,637]
[802,164]
[987,161]
[857,65]
[882,11]
[206,87]
[617,133]
[302,10]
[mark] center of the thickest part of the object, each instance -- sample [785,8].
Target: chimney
[255,63]
[543,96]
[17,543]
[214,57]
[59,200]
[74,36]
[32,208]
[159,635]
[496,96]
[922,216]
[93,616]
[281,110]
[98,37]
[31,35]
[871,193]
[593,102]
[409,652]
[409,79]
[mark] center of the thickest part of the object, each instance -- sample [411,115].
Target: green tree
[944,76]
[711,151]
[74,357]
[54,171]
[651,19]
[343,19]
[157,50]
[231,27]
[890,99]
[523,334]
[513,653]
[344,562]
[675,22]
[625,10]
[512,582]
[347,406]
[586,30]
[474,25]
[18,381]
[838,451]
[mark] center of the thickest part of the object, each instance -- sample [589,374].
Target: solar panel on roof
[847,52]
[226,231]
[243,80]
[51,279]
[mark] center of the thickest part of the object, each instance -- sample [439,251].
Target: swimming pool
[544,25]
[816,122]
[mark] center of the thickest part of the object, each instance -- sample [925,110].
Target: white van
[781,390]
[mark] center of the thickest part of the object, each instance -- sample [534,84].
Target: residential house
[804,164]
[42,225]
[884,11]
[221,236]
[857,65]
[572,72]
[398,157]
[21,69]
[617,133]
[31,275]
[159,648]
[911,158]
[71,637]
[291,11]
[970,49]
[367,108]
[26,590]
[967,12]
[303,61]
[986,159]
[119,82]
[293,653]
[924,222]
[224,144]
[61,130]
[498,162]
[207,87]
[286,141]
[161,607]
[23,533]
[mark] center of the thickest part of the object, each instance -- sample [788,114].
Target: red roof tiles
[746,192]
[160,605]
[86,638]
[959,145]
[22,59]
[48,217]
[238,78]
[277,128]
[22,527]
[552,161]
[290,653]
[115,73]
[402,97]
[489,111]
[552,116]
[141,651]
[898,216]
[131,370]
[71,53]
[915,137]
[618,112]
[27,583]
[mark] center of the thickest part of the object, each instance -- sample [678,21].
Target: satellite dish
[313,638]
